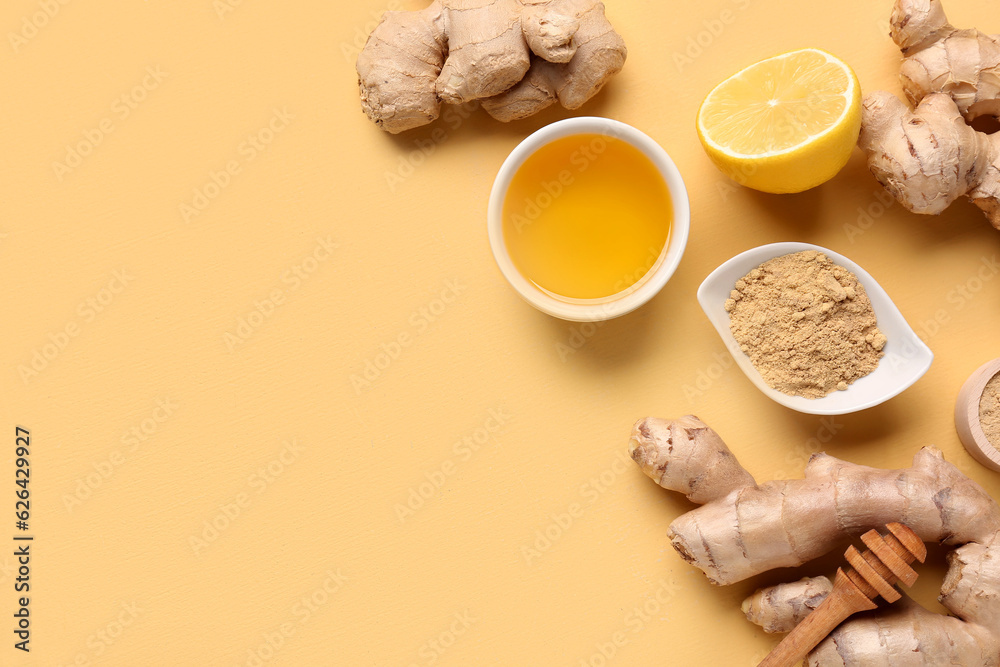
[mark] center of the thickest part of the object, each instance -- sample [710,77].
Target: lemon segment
[785,124]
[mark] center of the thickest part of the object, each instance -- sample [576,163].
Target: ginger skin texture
[517,56]
[743,528]
[929,157]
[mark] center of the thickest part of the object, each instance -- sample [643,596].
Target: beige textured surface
[806,324]
[989,411]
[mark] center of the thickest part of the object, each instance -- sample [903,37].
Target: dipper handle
[872,573]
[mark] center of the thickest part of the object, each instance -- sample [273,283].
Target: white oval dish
[906,358]
[592,310]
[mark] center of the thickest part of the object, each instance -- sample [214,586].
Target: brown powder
[989,410]
[806,324]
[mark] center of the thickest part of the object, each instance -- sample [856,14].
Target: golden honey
[586,216]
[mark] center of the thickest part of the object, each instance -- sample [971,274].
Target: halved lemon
[785,124]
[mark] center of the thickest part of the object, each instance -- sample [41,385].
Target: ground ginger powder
[806,324]
[989,410]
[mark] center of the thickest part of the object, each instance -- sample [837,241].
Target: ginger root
[781,608]
[939,58]
[517,56]
[929,157]
[743,529]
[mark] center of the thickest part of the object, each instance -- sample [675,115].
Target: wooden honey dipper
[872,573]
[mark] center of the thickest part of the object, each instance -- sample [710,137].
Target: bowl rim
[967,423]
[593,310]
[918,353]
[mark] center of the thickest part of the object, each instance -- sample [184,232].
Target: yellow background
[116,579]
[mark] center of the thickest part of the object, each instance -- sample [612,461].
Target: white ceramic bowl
[592,310]
[906,357]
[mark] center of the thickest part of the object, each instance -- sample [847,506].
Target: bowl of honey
[588,219]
